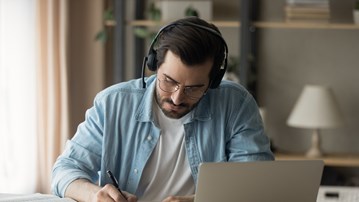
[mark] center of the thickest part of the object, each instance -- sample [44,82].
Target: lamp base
[314,151]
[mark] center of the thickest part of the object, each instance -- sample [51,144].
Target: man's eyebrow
[171,78]
[190,86]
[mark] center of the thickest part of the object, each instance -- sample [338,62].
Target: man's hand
[83,190]
[111,193]
[179,199]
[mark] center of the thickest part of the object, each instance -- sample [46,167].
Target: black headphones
[151,58]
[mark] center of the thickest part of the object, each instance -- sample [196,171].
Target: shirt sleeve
[81,158]
[248,140]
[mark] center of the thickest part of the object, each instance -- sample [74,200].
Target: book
[307,11]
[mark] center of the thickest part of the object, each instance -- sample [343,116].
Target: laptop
[259,181]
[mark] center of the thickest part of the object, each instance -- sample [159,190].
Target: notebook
[260,181]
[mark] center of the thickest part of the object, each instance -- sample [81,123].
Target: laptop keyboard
[338,194]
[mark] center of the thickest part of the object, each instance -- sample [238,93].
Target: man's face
[191,83]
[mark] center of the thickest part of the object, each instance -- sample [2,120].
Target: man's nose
[178,96]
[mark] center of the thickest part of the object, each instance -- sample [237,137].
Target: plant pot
[356,16]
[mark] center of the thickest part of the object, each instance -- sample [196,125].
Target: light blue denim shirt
[119,134]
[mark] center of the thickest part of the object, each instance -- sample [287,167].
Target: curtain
[34,93]
[53,115]
[17,96]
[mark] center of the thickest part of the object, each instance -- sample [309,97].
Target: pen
[114,181]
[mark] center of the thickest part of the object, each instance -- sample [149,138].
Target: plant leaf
[101,36]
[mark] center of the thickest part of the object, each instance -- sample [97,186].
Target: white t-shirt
[167,171]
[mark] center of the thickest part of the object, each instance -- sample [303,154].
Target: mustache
[170,102]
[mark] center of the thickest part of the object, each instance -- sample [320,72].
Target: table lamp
[316,109]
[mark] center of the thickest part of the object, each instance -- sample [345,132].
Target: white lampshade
[316,108]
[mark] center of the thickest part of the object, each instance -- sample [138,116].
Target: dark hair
[194,45]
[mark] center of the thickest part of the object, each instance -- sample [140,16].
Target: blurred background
[56,55]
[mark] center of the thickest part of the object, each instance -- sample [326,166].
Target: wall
[86,63]
[290,58]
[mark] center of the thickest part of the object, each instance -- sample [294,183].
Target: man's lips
[175,107]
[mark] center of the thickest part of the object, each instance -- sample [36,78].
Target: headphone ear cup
[218,78]
[152,61]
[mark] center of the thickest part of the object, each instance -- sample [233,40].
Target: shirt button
[135,170]
[149,138]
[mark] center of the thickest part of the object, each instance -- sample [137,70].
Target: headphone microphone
[151,59]
[143,71]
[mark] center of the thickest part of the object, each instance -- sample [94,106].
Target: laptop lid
[259,181]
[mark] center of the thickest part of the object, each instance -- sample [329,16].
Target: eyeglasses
[170,86]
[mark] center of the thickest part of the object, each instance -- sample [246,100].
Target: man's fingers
[112,192]
[130,197]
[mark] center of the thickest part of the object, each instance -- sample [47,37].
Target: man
[153,134]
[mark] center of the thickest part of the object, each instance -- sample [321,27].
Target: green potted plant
[102,34]
[155,14]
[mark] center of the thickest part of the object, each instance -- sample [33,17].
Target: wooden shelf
[306,25]
[150,23]
[236,24]
[329,160]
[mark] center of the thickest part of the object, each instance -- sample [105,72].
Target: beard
[172,110]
